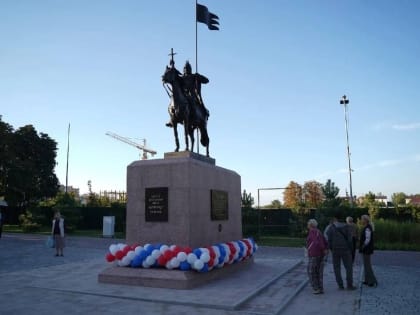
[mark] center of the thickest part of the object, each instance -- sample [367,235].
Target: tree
[398,199]
[292,197]
[330,192]
[6,132]
[247,200]
[313,194]
[27,162]
[275,204]
[373,205]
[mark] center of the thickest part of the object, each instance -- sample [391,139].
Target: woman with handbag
[317,248]
[58,233]
[366,249]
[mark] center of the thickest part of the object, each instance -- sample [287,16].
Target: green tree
[398,199]
[331,195]
[373,205]
[28,171]
[247,200]
[275,204]
[6,133]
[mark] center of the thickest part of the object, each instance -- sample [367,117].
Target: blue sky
[277,71]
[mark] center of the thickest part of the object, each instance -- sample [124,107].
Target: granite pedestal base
[186,217]
[172,279]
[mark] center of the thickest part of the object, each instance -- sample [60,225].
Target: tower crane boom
[141,147]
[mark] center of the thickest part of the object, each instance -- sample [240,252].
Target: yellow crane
[142,147]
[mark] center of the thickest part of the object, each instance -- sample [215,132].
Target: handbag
[50,243]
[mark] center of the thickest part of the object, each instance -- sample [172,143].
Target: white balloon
[150,260]
[198,264]
[131,254]
[156,253]
[204,250]
[182,256]
[146,246]
[191,258]
[138,249]
[121,246]
[125,261]
[113,249]
[172,247]
[168,265]
[205,257]
[174,262]
[163,248]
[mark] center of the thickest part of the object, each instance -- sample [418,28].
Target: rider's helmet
[187,68]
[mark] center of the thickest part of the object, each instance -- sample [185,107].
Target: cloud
[382,163]
[409,126]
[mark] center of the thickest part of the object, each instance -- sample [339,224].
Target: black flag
[206,17]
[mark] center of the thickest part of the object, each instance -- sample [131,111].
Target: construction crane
[141,147]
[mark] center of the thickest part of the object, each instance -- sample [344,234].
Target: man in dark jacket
[340,242]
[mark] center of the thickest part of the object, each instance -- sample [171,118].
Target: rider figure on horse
[192,88]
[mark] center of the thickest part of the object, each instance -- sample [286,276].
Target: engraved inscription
[219,205]
[156,200]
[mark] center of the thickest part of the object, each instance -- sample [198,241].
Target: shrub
[27,223]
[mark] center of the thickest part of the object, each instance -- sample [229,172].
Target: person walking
[340,243]
[317,247]
[58,233]
[366,249]
[353,232]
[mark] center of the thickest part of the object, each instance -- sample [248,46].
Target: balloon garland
[201,259]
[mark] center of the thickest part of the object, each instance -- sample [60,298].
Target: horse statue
[183,109]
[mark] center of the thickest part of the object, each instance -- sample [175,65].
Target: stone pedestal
[183,199]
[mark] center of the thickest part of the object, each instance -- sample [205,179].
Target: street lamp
[344,101]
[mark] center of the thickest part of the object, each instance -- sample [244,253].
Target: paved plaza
[34,281]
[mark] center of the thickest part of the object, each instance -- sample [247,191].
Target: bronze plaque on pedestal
[156,208]
[219,205]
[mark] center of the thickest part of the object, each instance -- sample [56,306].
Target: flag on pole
[208,18]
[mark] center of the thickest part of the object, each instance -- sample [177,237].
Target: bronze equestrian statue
[186,106]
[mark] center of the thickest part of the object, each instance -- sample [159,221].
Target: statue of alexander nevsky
[191,84]
[187,106]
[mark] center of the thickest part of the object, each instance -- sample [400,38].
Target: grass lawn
[47,231]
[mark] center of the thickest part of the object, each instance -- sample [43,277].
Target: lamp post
[344,101]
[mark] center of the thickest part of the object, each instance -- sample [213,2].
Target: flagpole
[67,166]
[196,62]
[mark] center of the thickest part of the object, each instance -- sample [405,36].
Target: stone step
[278,294]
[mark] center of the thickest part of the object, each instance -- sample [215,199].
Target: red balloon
[119,255]
[126,249]
[162,260]
[211,262]
[168,255]
[188,250]
[109,257]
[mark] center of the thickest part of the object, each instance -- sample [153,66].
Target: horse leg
[191,133]
[186,127]
[174,124]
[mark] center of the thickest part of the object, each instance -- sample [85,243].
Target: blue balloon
[241,245]
[205,268]
[184,266]
[136,262]
[197,252]
[143,255]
